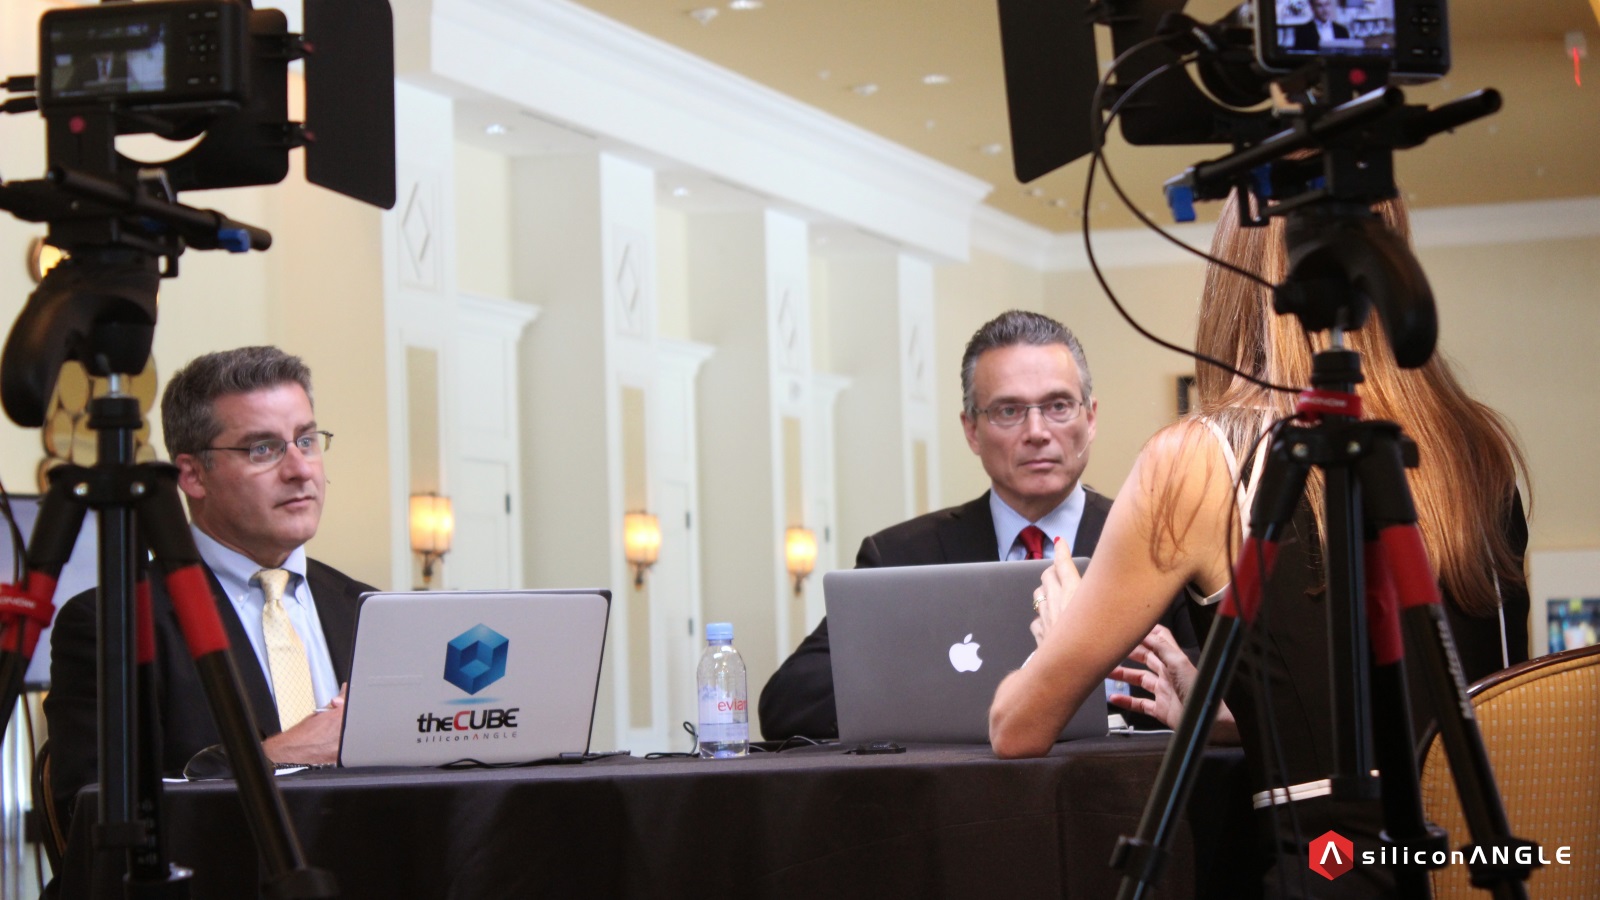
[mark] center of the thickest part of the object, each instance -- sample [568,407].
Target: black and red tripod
[1381,592]
[98,307]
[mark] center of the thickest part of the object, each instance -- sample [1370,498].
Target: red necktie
[1033,538]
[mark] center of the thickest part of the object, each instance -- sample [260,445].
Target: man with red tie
[1028,411]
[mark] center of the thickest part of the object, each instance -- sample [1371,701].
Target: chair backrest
[1541,726]
[53,831]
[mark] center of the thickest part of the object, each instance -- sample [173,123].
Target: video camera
[215,72]
[1051,70]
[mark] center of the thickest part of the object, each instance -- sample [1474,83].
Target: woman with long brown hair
[1178,519]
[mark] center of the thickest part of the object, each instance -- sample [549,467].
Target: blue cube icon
[476,658]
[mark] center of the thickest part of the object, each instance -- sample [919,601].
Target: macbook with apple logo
[919,650]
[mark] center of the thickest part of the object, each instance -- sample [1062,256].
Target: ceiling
[867,62]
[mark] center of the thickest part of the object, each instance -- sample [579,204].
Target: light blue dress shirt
[1060,522]
[234,571]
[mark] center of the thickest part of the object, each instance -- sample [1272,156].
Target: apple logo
[964,656]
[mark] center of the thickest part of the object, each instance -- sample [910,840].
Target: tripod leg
[25,613]
[1416,595]
[1406,828]
[1424,620]
[149,871]
[286,872]
[1140,858]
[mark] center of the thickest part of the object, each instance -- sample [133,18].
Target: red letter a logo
[1332,855]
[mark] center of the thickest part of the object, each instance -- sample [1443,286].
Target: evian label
[723,719]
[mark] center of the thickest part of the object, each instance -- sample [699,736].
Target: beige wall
[1519,321]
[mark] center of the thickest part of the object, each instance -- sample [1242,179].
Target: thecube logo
[1332,855]
[476,658]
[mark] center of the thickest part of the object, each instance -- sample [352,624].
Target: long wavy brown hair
[1467,481]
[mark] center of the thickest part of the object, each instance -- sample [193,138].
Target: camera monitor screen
[1335,28]
[95,58]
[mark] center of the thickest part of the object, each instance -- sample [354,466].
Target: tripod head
[97,307]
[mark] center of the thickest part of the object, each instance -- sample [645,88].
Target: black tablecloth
[807,823]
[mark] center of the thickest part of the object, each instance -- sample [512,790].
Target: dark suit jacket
[798,700]
[1306,38]
[186,724]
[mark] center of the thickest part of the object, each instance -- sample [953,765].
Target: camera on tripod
[1238,62]
[215,72]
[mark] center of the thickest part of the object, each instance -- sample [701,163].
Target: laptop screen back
[494,677]
[919,650]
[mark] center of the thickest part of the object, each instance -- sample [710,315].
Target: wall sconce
[641,543]
[799,554]
[432,525]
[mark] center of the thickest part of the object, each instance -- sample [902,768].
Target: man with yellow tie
[240,427]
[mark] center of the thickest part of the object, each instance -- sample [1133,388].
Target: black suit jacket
[186,725]
[798,700]
[1306,37]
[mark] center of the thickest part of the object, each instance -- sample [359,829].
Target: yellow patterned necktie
[286,656]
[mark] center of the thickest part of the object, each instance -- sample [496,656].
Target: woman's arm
[1085,629]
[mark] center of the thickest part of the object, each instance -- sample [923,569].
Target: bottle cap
[719,631]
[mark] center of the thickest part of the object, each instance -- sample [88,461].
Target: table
[814,822]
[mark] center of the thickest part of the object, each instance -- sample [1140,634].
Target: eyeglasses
[268,451]
[1009,415]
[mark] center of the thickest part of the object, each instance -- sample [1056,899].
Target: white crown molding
[1010,238]
[1452,226]
[1507,223]
[570,64]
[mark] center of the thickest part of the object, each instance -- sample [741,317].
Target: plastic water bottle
[724,728]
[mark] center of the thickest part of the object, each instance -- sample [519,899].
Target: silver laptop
[490,676]
[919,650]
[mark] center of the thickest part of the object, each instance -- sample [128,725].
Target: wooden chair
[52,831]
[1541,725]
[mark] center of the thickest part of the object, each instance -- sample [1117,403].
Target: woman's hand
[1055,591]
[1170,681]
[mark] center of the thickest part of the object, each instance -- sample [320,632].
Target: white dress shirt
[234,571]
[1060,522]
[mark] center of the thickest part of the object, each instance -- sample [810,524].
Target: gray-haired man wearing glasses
[1028,411]
[241,429]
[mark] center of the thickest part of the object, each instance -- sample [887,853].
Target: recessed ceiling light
[928,124]
[992,149]
[1058,203]
[935,78]
[680,191]
[824,74]
[866,89]
[495,128]
[703,15]
[1034,191]
[744,4]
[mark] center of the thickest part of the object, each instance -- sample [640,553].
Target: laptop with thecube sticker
[919,650]
[486,676]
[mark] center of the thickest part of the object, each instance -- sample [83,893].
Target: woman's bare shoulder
[1183,478]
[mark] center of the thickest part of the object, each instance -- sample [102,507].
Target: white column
[584,236]
[749,295]
[880,319]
